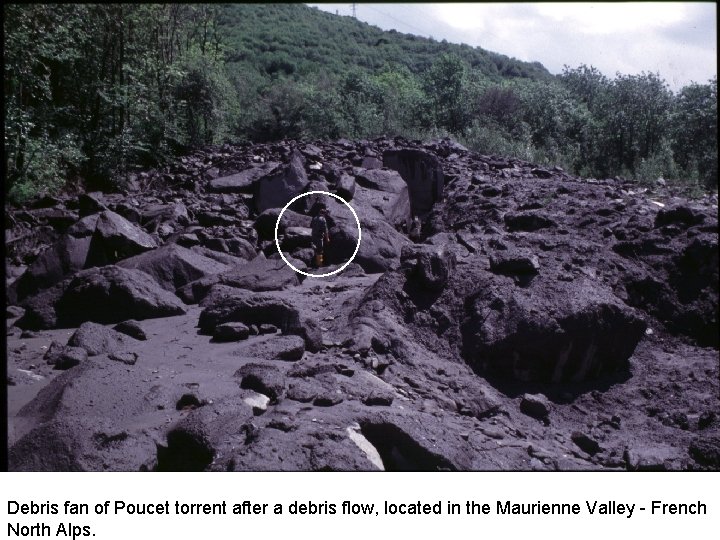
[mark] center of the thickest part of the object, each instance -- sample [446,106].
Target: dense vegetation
[93,91]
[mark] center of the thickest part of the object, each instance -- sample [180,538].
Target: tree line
[95,91]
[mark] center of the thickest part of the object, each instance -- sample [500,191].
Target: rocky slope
[535,320]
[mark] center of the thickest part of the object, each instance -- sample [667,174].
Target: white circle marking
[277,225]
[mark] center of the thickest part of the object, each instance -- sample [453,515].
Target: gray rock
[345,187]
[173,266]
[124,357]
[262,378]
[266,221]
[71,357]
[291,348]
[378,398]
[98,339]
[243,181]
[261,274]
[381,180]
[422,173]
[232,331]
[705,450]
[112,294]
[549,332]
[131,328]
[514,262]
[250,309]
[95,240]
[536,406]
[585,443]
[527,221]
[277,188]
[429,267]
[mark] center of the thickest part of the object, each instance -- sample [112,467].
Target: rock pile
[497,315]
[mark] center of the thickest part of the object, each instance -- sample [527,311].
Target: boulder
[98,339]
[40,311]
[296,237]
[536,406]
[241,248]
[277,188]
[514,262]
[262,378]
[243,181]
[164,218]
[173,266]
[91,203]
[428,267]
[389,181]
[131,328]
[681,214]
[422,173]
[345,187]
[380,247]
[705,450]
[250,309]
[527,221]
[261,274]
[115,238]
[66,256]
[71,357]
[549,332]
[259,309]
[289,348]
[231,331]
[111,294]
[265,222]
[95,240]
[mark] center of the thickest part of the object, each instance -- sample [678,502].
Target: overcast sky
[676,39]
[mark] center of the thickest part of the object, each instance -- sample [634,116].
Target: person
[320,235]
[416,230]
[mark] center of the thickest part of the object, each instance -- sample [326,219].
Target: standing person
[320,235]
[416,230]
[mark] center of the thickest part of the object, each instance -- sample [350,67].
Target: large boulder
[40,308]
[159,217]
[173,266]
[381,180]
[98,339]
[428,267]
[527,221]
[115,238]
[380,247]
[680,214]
[265,222]
[297,237]
[250,309]
[66,256]
[277,188]
[261,274]
[243,181]
[260,309]
[111,295]
[549,332]
[345,187]
[95,240]
[423,174]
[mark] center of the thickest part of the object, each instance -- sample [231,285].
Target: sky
[678,40]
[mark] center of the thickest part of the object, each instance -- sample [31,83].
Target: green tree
[694,131]
[635,115]
[444,85]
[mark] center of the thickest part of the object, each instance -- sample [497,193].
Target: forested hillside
[93,92]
